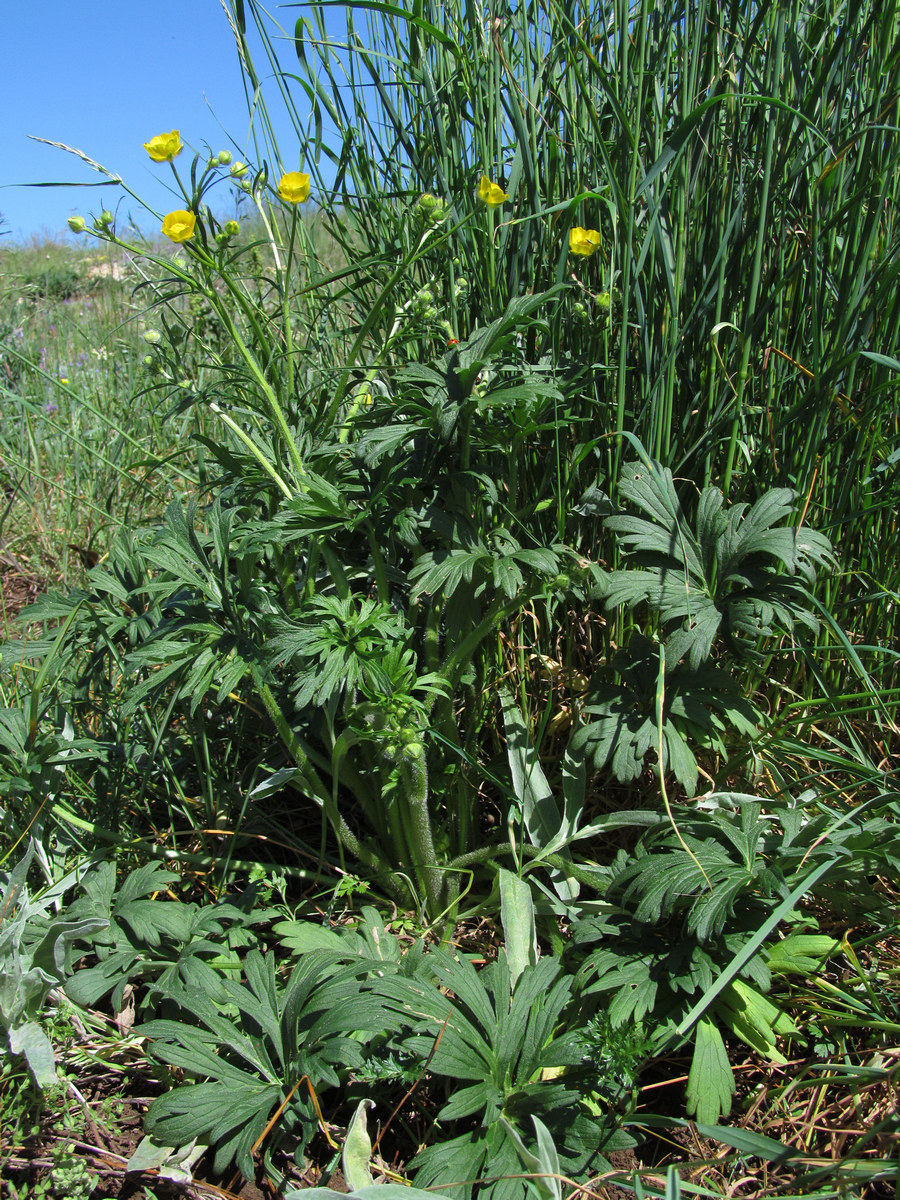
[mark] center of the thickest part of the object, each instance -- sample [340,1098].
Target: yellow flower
[179,225]
[584,241]
[164,147]
[294,187]
[491,193]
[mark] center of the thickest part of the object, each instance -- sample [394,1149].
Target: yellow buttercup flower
[584,241]
[294,187]
[491,193]
[164,147]
[179,225]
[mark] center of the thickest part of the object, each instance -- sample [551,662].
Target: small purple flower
[51,408]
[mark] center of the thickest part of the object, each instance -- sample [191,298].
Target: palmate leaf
[742,567]
[499,1037]
[246,1064]
[697,704]
[336,645]
[230,1117]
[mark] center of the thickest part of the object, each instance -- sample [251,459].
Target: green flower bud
[604,301]
[223,158]
[231,228]
[152,337]
[432,208]
[149,362]
[238,170]
[77,224]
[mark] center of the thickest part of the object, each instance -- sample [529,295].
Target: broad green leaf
[517,916]
[710,1082]
[539,808]
[358,1148]
[31,1041]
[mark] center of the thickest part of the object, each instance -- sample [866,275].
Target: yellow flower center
[179,225]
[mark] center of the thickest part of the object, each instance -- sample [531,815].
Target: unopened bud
[223,158]
[152,337]
[231,228]
[238,170]
[77,224]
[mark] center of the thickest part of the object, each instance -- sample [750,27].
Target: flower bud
[231,228]
[152,337]
[104,221]
[77,224]
[238,170]
[223,158]
[149,362]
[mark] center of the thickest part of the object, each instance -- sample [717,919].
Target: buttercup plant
[584,242]
[180,225]
[164,147]
[294,187]
[492,194]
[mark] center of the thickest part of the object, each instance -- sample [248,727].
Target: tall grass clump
[529,555]
[740,314]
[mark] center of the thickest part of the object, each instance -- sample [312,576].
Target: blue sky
[105,76]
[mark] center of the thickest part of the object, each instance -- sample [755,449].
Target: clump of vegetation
[470,682]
